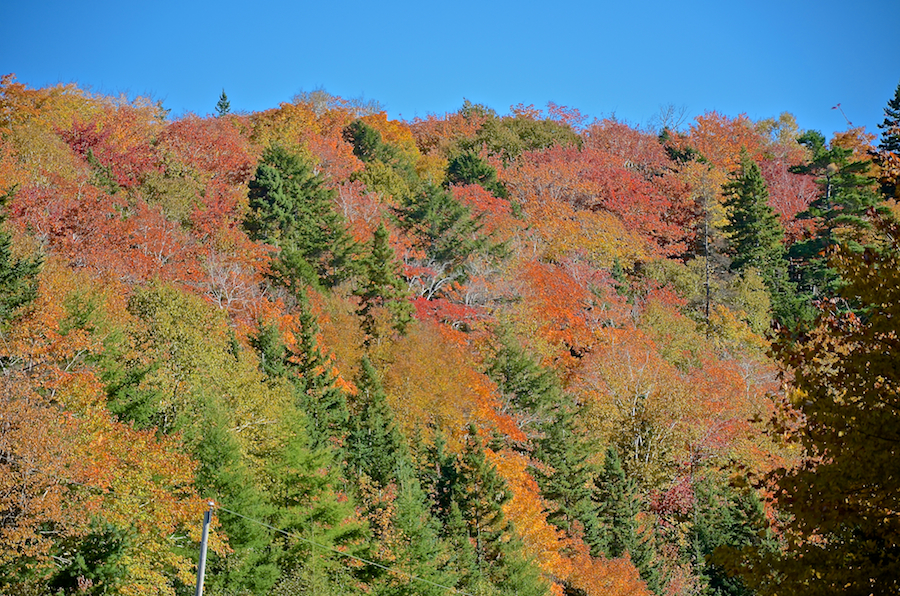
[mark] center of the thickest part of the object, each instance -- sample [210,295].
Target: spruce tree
[292,209]
[756,238]
[303,488]
[890,127]
[18,277]
[374,445]
[310,374]
[889,155]
[381,286]
[618,505]
[547,415]
[841,213]
[481,493]
[224,475]
[223,106]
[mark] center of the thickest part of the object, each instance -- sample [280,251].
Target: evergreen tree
[756,239]
[225,476]
[565,477]
[310,373]
[18,277]
[481,493]
[302,485]
[445,228]
[618,506]
[755,232]
[291,209]
[382,286]
[374,444]
[468,168]
[223,106]
[889,154]
[726,521]
[841,212]
[561,455]
[890,127]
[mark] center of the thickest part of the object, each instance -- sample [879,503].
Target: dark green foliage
[617,507]
[890,127]
[529,388]
[443,226]
[291,209]
[756,234]
[547,415]
[374,444]
[468,168]
[311,374]
[841,212]
[756,239]
[303,491]
[224,476]
[223,106]
[564,476]
[382,286]
[890,142]
[726,523]
[91,564]
[18,277]
[480,494]
[367,143]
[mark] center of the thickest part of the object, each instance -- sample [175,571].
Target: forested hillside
[478,353]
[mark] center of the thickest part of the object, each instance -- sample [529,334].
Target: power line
[348,555]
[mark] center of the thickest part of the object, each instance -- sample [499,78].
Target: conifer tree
[618,505]
[756,238]
[481,493]
[303,489]
[292,209]
[890,127]
[223,106]
[311,375]
[547,415]
[18,277]
[382,286]
[841,212]
[374,445]
[224,476]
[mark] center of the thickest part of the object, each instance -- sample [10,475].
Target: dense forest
[489,354]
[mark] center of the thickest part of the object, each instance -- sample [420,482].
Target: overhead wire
[347,555]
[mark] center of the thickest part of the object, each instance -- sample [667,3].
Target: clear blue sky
[623,58]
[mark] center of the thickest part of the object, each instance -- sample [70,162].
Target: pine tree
[890,127]
[618,506]
[292,209]
[756,238]
[841,212]
[374,445]
[565,477]
[223,106]
[381,286]
[726,522]
[18,277]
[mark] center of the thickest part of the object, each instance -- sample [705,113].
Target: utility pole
[201,566]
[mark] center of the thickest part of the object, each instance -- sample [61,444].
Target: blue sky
[622,59]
